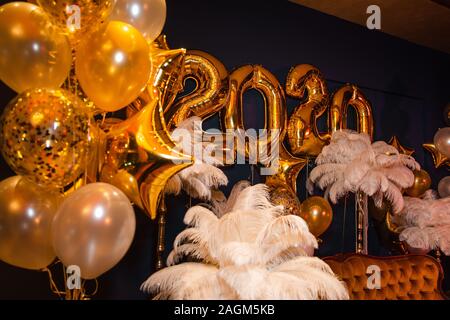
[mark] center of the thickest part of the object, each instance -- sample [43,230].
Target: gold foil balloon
[317,213]
[141,146]
[287,172]
[93,229]
[113,65]
[77,18]
[166,79]
[438,158]
[44,136]
[210,93]
[395,142]
[422,183]
[305,82]
[148,16]
[442,141]
[346,96]
[26,214]
[33,54]
[256,77]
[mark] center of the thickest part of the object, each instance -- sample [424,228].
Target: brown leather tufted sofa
[409,277]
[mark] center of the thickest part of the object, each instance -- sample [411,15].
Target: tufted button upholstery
[409,277]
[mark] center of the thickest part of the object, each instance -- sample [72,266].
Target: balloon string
[104,118]
[343,224]
[53,286]
[83,288]
[307,177]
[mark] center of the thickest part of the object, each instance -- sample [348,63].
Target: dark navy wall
[408,86]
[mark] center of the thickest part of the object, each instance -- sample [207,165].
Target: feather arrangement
[351,163]
[249,250]
[425,222]
[203,177]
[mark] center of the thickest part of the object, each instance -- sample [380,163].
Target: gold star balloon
[166,76]
[402,149]
[288,169]
[140,156]
[438,158]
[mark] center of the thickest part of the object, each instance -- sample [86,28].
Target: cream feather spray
[247,248]
[425,222]
[351,163]
[202,178]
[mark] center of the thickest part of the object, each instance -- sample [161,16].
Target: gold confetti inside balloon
[44,136]
[77,17]
[286,198]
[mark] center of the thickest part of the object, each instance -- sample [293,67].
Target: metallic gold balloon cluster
[50,138]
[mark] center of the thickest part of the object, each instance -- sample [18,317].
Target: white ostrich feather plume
[425,222]
[202,178]
[247,248]
[350,163]
[424,213]
[429,238]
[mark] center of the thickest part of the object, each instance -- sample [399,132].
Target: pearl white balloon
[442,141]
[444,187]
[93,229]
[148,16]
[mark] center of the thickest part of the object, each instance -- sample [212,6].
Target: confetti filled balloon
[44,136]
[77,17]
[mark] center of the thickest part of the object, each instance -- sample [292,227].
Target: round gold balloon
[93,229]
[422,183]
[33,53]
[113,65]
[442,141]
[26,214]
[77,17]
[317,213]
[44,136]
[148,16]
